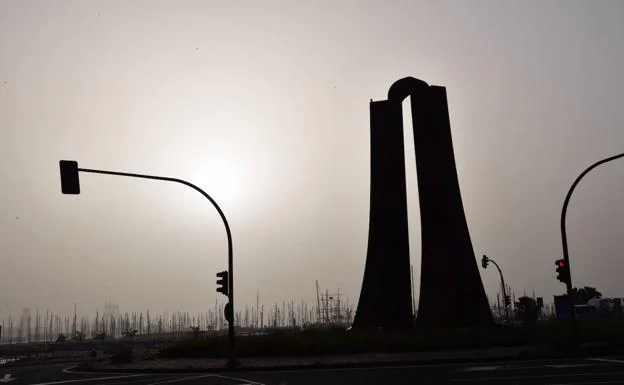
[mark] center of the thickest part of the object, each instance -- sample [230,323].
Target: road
[588,371]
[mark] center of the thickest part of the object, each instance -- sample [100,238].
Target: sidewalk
[320,362]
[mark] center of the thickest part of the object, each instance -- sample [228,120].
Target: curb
[25,363]
[312,366]
[532,354]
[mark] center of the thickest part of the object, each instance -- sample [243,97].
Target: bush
[123,357]
[551,335]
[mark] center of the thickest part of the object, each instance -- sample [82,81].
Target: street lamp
[506,299]
[564,238]
[70,184]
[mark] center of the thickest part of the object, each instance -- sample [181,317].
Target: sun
[223,184]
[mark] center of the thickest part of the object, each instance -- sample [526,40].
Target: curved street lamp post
[564,238]
[484,263]
[70,184]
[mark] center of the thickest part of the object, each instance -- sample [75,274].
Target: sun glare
[224,185]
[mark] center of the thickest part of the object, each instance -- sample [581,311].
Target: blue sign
[562,307]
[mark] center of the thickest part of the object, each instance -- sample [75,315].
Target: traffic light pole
[231,335]
[564,238]
[503,286]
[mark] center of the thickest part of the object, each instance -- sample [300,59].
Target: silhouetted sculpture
[451,291]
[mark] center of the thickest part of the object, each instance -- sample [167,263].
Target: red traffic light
[563,271]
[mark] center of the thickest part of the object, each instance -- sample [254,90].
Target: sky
[265,105]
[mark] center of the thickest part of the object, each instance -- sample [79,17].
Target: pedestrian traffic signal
[223,283]
[563,271]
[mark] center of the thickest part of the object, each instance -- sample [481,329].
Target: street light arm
[496,264]
[176,180]
[564,238]
[202,192]
[564,210]
[503,286]
[501,275]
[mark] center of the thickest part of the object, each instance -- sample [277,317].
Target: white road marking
[590,383]
[481,368]
[242,380]
[7,378]
[501,378]
[606,360]
[70,371]
[564,366]
[181,379]
[89,379]
[504,366]
[521,367]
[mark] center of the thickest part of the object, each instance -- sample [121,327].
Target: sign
[562,307]
[227,311]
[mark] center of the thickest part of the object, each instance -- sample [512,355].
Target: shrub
[123,357]
[325,342]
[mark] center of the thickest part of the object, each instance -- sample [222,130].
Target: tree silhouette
[78,336]
[100,336]
[584,294]
[527,310]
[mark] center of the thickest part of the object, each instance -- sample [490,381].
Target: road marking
[7,378]
[88,379]
[504,368]
[411,366]
[503,378]
[590,383]
[181,379]
[606,360]
[70,371]
[242,380]
[481,368]
[564,366]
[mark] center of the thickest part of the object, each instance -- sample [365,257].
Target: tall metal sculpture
[451,291]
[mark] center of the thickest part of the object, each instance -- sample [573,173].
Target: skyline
[266,108]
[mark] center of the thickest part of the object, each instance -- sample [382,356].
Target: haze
[265,105]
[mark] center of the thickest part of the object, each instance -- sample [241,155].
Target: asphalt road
[589,371]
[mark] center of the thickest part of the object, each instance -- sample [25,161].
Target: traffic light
[223,283]
[70,183]
[484,261]
[563,271]
[507,300]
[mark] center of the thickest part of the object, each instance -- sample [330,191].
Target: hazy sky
[265,105]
